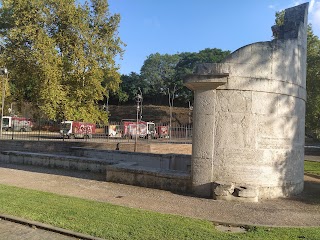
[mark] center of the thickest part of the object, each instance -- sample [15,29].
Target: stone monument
[249,117]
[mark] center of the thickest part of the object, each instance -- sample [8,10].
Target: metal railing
[44,130]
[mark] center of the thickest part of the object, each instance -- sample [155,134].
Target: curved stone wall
[249,132]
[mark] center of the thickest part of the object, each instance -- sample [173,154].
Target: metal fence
[115,131]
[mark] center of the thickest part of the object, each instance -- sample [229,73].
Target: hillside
[157,114]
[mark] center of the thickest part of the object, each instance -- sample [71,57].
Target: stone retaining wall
[177,162]
[163,171]
[149,177]
[49,146]
[55,161]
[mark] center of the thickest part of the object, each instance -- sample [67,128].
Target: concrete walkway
[312,158]
[303,210]
[14,231]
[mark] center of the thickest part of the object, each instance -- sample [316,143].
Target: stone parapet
[134,174]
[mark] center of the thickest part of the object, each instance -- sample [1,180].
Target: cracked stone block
[223,189]
[248,192]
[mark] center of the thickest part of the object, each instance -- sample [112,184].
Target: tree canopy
[313,78]
[313,83]
[163,74]
[61,55]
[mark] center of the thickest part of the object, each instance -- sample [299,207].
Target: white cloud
[311,5]
[271,6]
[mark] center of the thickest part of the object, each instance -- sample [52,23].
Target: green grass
[312,167]
[114,222]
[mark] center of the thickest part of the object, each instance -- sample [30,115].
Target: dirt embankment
[157,114]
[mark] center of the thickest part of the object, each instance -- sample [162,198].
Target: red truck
[144,130]
[163,131]
[75,129]
[20,124]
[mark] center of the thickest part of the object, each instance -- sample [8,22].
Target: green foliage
[280,18]
[158,71]
[115,222]
[61,55]
[313,83]
[131,84]
[188,62]
[162,74]
[313,78]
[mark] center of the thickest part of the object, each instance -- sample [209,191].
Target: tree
[131,84]
[313,83]
[313,78]
[188,62]
[61,55]
[164,72]
[158,72]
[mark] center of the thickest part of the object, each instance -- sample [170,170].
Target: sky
[175,26]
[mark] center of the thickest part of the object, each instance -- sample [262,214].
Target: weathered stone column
[203,129]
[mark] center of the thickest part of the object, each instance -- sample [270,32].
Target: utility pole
[171,96]
[141,101]
[138,100]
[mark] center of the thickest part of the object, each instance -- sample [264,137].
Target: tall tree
[162,74]
[61,55]
[313,78]
[158,71]
[313,84]
[188,62]
[132,83]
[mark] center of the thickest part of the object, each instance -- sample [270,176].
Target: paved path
[303,210]
[15,231]
[312,158]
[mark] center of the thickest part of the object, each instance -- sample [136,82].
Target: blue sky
[172,26]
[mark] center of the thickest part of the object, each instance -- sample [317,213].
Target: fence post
[39,129]
[107,130]
[12,129]
[86,136]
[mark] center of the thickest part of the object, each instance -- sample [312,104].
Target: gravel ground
[303,210]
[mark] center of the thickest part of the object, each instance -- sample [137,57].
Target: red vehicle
[144,129]
[19,124]
[163,131]
[74,129]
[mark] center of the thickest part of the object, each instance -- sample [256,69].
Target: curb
[48,227]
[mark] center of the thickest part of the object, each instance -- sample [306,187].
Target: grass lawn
[312,167]
[114,222]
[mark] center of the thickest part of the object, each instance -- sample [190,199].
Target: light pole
[4,73]
[141,101]
[138,100]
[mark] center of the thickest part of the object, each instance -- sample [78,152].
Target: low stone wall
[55,161]
[177,162]
[312,150]
[132,174]
[162,171]
[64,146]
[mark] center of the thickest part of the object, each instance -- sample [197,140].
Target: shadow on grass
[311,192]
